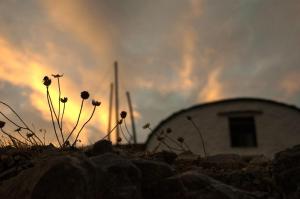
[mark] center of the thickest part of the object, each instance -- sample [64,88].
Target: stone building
[246,126]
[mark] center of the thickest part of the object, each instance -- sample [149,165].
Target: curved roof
[204,105]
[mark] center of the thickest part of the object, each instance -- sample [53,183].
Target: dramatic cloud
[172,54]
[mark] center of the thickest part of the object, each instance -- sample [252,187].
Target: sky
[172,54]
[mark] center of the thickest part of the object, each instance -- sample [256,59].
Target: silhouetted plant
[59,116]
[189,118]
[123,116]
[19,127]
[95,104]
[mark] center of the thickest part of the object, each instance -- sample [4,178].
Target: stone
[201,186]
[101,147]
[165,156]
[122,176]
[286,170]
[53,177]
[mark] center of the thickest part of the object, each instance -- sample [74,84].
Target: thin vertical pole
[117,99]
[110,109]
[131,117]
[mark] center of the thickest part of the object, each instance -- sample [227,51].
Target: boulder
[122,176]
[53,177]
[286,170]
[198,185]
[100,147]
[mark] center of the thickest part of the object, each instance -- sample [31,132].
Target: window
[242,131]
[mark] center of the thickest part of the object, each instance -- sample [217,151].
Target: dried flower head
[46,81]
[160,138]
[169,130]
[123,114]
[18,129]
[120,121]
[180,139]
[64,100]
[2,124]
[119,139]
[85,95]
[29,135]
[57,75]
[147,125]
[189,117]
[96,103]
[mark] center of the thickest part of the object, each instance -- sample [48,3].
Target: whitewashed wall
[277,127]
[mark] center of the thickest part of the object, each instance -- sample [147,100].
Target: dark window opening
[242,131]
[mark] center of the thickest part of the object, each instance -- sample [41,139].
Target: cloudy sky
[172,54]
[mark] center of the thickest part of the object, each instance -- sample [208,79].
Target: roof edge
[290,106]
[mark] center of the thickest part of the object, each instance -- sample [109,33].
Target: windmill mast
[117,99]
[131,117]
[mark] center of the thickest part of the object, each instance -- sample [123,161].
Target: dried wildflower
[147,125]
[63,100]
[85,95]
[46,81]
[119,139]
[96,103]
[2,124]
[123,114]
[57,75]
[169,130]
[18,129]
[188,117]
[29,135]
[180,139]
[160,138]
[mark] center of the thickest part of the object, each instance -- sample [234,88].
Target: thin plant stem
[84,126]
[118,123]
[122,132]
[59,94]
[199,132]
[174,141]
[62,115]
[12,137]
[131,137]
[76,122]
[48,99]
[27,128]
[56,117]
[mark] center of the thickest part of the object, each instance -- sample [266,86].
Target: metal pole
[131,117]
[110,110]
[117,99]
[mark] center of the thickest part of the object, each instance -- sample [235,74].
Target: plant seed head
[57,75]
[2,124]
[180,139]
[85,95]
[64,100]
[123,114]
[46,81]
[96,103]
[146,126]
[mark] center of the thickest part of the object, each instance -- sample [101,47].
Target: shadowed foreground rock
[72,174]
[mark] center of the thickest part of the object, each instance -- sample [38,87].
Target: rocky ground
[103,171]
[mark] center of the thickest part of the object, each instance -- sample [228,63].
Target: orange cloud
[213,89]
[28,69]
[291,84]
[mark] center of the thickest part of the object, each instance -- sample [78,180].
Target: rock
[53,177]
[224,161]
[164,156]
[201,186]
[122,176]
[286,170]
[152,170]
[101,147]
